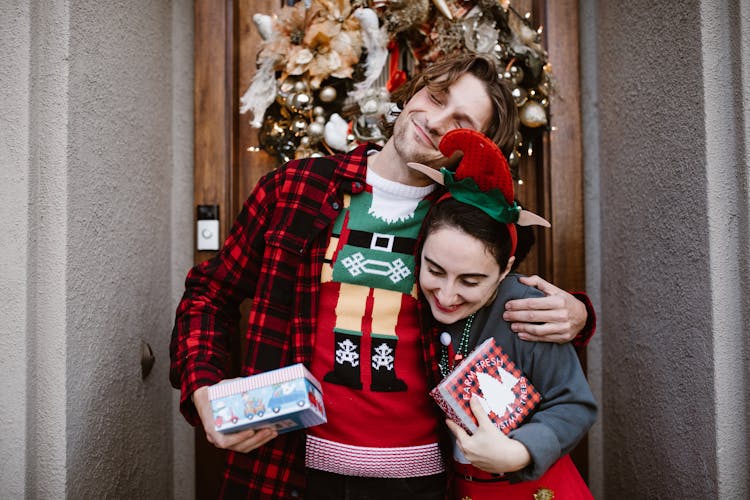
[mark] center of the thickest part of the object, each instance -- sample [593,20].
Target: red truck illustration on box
[223,414]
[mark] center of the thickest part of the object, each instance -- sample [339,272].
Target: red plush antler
[482,161]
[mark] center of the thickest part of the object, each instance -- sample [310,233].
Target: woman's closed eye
[435,271]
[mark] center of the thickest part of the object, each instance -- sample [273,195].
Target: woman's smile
[458,275]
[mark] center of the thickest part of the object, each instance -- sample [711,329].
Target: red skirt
[561,482]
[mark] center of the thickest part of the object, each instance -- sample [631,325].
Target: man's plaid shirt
[274,256]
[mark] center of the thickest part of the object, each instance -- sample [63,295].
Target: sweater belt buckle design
[381,241]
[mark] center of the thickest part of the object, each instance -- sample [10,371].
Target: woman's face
[458,274]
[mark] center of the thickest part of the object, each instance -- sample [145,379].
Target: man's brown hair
[440,75]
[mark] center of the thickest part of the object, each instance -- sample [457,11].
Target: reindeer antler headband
[482,179]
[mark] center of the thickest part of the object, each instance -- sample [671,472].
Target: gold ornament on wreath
[326,68]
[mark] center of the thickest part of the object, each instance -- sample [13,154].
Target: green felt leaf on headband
[492,202]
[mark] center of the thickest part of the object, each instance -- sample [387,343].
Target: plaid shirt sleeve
[272,256]
[209,310]
[582,339]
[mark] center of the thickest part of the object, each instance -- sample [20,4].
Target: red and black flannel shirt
[273,256]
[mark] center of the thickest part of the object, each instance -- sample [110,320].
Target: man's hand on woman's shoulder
[556,317]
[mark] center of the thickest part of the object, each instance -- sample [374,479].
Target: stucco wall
[96,185]
[182,237]
[725,32]
[671,234]
[14,260]
[119,204]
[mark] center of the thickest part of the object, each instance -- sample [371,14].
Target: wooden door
[227,165]
[224,171]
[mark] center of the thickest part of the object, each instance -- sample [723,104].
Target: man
[324,249]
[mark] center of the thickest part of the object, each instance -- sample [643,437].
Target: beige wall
[666,149]
[96,185]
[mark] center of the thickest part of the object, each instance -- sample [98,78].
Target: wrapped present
[286,399]
[505,394]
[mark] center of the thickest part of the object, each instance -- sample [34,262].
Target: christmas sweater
[367,353]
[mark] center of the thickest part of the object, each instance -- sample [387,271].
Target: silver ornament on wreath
[368,126]
[327,94]
[532,114]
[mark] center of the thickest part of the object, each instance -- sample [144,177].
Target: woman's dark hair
[526,239]
[474,222]
[442,74]
[451,213]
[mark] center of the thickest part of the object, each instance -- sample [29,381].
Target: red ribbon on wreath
[396,77]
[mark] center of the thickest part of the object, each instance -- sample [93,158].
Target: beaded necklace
[463,347]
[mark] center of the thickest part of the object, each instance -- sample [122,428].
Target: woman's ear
[500,279]
[508,267]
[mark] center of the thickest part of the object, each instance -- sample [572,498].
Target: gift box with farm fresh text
[506,395]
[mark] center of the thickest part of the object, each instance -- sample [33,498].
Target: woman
[467,255]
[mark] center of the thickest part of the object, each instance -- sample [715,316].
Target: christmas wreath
[326,68]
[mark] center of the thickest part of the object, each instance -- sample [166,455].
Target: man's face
[430,114]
